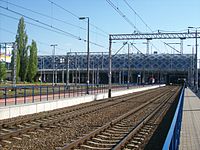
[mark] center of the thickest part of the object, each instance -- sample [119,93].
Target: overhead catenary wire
[120,49]
[168,44]
[137,49]
[40,42]
[138,15]
[30,23]
[50,26]
[116,8]
[124,17]
[76,16]
[142,22]
[122,14]
[8,31]
[8,16]
[51,17]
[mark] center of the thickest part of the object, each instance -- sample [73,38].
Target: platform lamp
[53,53]
[88,53]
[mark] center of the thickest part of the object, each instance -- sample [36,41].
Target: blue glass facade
[137,61]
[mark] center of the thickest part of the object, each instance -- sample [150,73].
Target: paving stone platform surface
[190,130]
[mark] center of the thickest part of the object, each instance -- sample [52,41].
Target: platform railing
[173,137]
[30,94]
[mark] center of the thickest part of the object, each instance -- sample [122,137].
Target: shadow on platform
[192,109]
[191,96]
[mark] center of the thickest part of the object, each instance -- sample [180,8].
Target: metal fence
[30,94]
[173,137]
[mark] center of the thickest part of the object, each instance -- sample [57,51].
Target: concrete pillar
[123,77]
[79,76]
[63,74]
[143,77]
[44,77]
[98,76]
[120,77]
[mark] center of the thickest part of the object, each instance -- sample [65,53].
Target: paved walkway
[190,130]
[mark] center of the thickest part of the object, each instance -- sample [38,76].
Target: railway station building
[144,68]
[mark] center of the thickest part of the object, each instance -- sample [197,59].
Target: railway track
[40,116]
[25,127]
[140,135]
[130,130]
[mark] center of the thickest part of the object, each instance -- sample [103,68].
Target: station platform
[190,129]
[36,107]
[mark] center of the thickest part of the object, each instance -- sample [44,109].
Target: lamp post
[88,54]
[41,70]
[196,68]
[54,47]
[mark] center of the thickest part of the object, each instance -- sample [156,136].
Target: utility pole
[93,72]
[110,68]
[76,69]
[56,74]
[148,41]
[88,53]
[5,52]
[79,74]
[98,72]
[41,70]
[102,61]
[53,53]
[193,66]
[196,67]
[88,58]
[196,74]
[44,78]
[67,79]
[63,75]
[128,67]
[181,46]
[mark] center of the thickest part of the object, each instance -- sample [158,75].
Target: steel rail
[46,121]
[35,117]
[130,135]
[112,123]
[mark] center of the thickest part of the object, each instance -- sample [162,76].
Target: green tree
[17,64]
[2,71]
[22,51]
[33,62]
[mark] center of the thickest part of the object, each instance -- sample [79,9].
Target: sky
[59,23]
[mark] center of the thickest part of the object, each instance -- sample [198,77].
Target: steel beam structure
[150,36]
[13,45]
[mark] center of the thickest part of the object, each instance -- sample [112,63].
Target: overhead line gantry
[151,36]
[148,36]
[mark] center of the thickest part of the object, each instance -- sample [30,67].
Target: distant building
[164,68]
